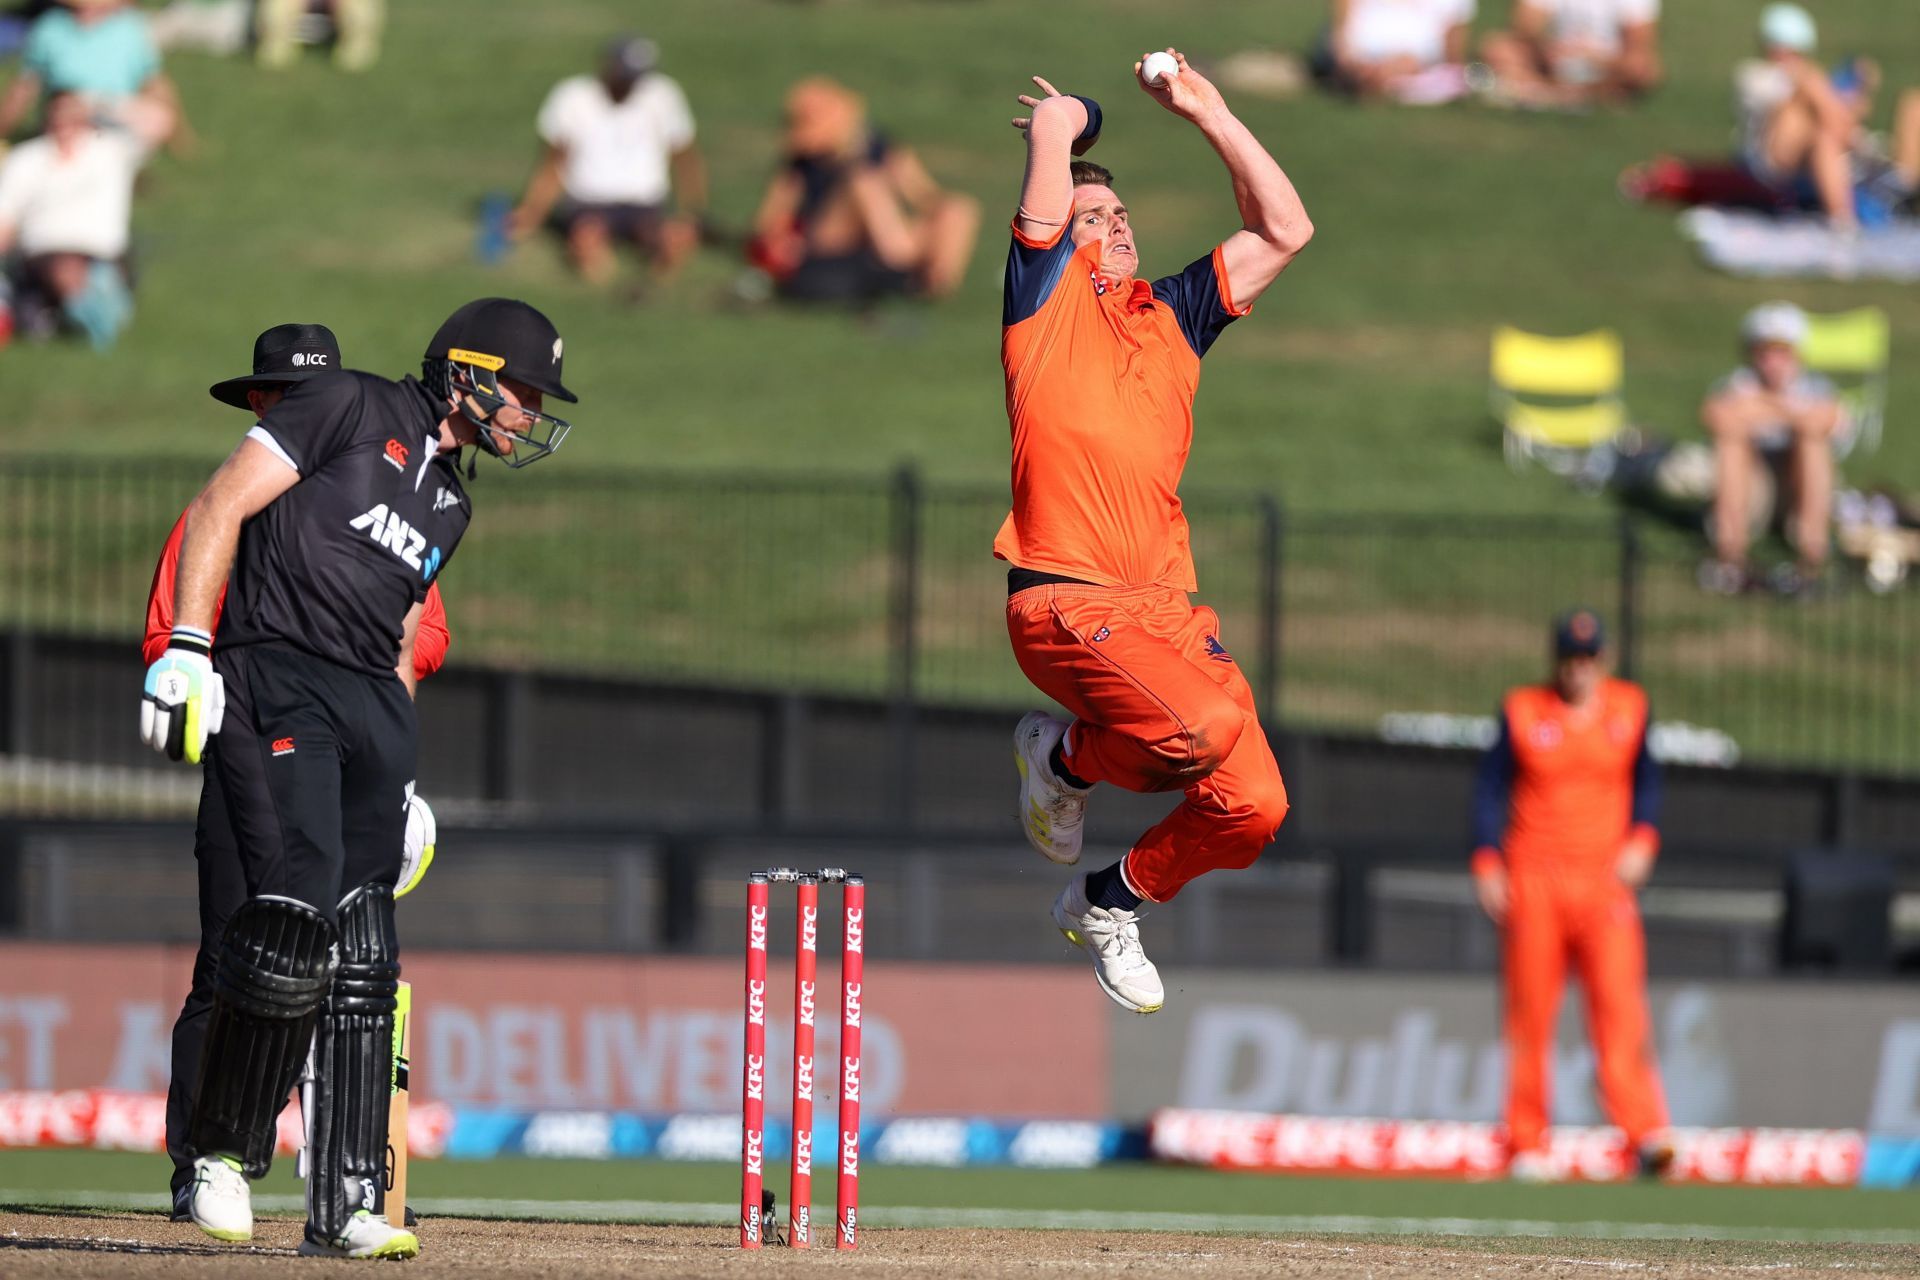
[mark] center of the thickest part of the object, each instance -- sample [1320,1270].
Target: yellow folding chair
[1558,400]
[1854,349]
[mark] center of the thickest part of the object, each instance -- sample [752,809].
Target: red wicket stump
[754,1070]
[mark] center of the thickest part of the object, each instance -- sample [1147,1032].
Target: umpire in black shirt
[328,523]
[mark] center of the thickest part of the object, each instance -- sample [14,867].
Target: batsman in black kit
[328,523]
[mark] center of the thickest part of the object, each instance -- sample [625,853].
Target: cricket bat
[397,1108]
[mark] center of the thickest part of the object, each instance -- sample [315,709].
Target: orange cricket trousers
[1592,924]
[1158,705]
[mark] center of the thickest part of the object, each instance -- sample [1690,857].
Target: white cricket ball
[1157,66]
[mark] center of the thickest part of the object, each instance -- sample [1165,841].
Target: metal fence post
[13,877]
[1270,550]
[678,868]
[1629,594]
[507,719]
[904,606]
[1840,809]
[16,736]
[783,758]
[1350,908]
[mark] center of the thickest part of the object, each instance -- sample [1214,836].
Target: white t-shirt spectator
[1380,29]
[617,152]
[77,203]
[1775,436]
[1596,22]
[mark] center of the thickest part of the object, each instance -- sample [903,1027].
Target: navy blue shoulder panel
[1032,276]
[1194,296]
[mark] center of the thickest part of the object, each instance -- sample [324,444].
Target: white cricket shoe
[368,1235]
[220,1202]
[1051,812]
[1111,938]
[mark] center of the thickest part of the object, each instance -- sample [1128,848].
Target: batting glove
[416,855]
[185,699]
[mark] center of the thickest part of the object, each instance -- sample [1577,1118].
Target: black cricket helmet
[482,342]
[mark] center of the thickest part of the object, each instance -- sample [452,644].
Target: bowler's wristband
[1092,130]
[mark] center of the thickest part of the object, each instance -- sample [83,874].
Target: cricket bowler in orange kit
[1564,823]
[1101,370]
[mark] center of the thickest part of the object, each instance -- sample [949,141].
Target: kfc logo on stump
[757,1004]
[756,1087]
[852,1001]
[850,1161]
[849,1080]
[856,929]
[757,928]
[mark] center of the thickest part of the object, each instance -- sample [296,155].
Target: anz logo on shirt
[391,531]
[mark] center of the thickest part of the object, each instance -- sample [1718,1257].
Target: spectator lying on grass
[102,51]
[356,27]
[852,216]
[1573,53]
[66,201]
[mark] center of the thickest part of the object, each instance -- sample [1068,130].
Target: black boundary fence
[1402,626]
[692,665]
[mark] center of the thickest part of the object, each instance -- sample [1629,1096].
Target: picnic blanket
[1744,243]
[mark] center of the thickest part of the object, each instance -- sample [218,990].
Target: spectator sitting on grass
[103,51]
[1571,53]
[1803,132]
[619,146]
[1412,51]
[852,216]
[356,27]
[1771,416]
[66,201]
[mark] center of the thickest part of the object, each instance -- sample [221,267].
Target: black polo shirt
[333,565]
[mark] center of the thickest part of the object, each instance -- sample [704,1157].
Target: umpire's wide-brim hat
[283,354]
[510,337]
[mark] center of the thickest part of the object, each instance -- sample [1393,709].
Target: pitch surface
[67,1242]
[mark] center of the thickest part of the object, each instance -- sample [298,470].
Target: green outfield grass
[1357,386]
[1358,383]
[1208,1200]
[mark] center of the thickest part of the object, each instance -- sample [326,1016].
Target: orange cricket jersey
[1100,385]
[1577,781]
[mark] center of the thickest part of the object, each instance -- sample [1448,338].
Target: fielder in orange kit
[1101,369]
[1567,800]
